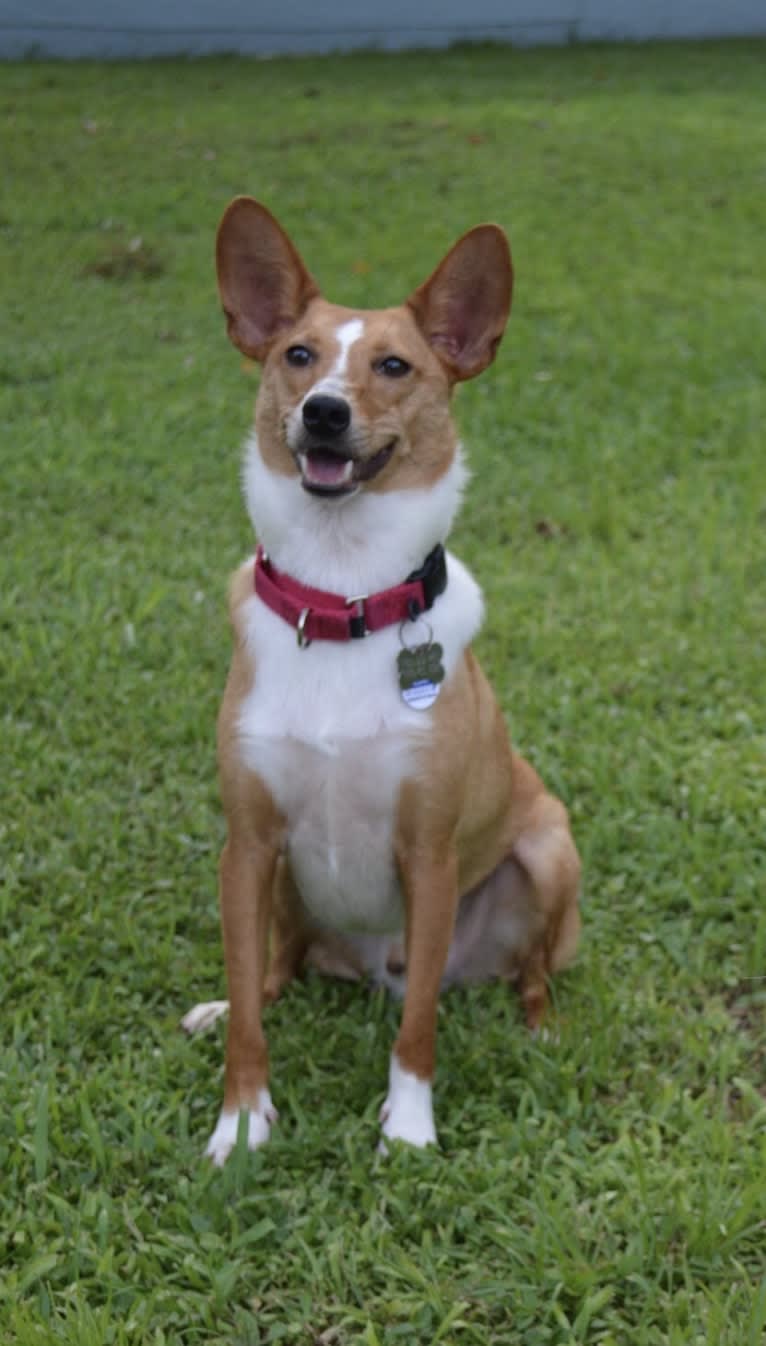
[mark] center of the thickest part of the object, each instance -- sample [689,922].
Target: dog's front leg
[429,880]
[247,877]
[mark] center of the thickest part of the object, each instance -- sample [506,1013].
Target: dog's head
[358,400]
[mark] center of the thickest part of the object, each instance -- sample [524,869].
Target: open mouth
[325,471]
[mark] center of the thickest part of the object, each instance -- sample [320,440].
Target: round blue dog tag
[420,694]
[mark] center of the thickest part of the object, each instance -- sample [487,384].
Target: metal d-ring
[300,629]
[428,641]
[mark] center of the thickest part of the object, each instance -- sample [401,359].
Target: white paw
[203,1016]
[407,1113]
[259,1121]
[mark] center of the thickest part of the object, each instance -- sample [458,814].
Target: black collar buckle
[432,575]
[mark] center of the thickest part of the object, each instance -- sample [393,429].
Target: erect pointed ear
[463,307]
[262,281]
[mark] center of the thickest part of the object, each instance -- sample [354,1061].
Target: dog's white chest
[327,731]
[340,804]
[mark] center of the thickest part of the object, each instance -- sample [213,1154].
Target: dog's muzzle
[327,459]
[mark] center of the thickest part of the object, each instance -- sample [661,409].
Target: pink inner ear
[262,280]
[465,332]
[450,341]
[264,297]
[262,300]
[463,307]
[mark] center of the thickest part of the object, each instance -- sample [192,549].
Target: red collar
[317,615]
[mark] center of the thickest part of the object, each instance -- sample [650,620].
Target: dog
[379,823]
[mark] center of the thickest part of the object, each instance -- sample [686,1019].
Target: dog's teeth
[325,468]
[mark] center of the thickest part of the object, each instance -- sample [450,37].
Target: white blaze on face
[324,469]
[334,383]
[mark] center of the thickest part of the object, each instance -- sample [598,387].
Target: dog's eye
[299,356]
[393,367]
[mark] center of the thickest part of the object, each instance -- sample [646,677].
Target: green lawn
[608,1187]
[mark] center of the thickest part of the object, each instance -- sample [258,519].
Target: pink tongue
[325,468]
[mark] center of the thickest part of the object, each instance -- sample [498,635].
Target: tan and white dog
[379,823]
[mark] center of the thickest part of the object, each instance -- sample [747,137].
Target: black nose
[326,416]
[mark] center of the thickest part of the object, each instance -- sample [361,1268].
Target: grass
[605,1188]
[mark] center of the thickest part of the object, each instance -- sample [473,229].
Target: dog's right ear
[263,284]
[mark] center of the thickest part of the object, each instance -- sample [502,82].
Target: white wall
[129,28]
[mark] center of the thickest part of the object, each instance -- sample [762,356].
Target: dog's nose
[326,416]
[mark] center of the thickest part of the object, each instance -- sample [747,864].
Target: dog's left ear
[463,307]
[263,282]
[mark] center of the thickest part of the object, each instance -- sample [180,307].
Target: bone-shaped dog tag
[421,673]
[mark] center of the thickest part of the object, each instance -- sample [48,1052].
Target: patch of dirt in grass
[550,529]
[127,261]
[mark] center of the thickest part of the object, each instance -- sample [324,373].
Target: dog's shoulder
[241,588]
[242,667]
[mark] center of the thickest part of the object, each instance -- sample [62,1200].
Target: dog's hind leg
[547,854]
[521,922]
